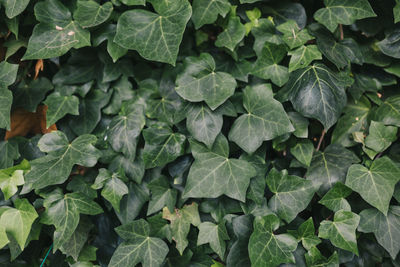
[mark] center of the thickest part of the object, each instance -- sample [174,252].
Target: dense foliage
[199,133]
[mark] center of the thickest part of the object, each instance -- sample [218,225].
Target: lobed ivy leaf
[59,106]
[85,10]
[13,177]
[306,234]
[206,12]
[162,195]
[335,200]
[315,258]
[303,151]
[232,35]
[215,235]
[380,137]
[390,45]
[293,36]
[303,56]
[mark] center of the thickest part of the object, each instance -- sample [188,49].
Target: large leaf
[156,36]
[266,119]
[55,167]
[206,12]
[15,7]
[85,10]
[213,173]
[317,92]
[376,184]
[343,12]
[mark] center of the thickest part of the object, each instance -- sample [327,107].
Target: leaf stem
[341,31]
[320,140]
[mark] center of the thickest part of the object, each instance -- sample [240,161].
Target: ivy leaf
[162,145]
[341,231]
[162,195]
[56,33]
[317,92]
[238,254]
[156,36]
[330,166]
[9,154]
[343,12]
[303,151]
[85,10]
[134,2]
[5,107]
[206,12]
[306,234]
[215,235]
[314,258]
[231,176]
[199,82]
[396,12]
[380,137]
[293,36]
[385,228]
[389,111]
[113,187]
[12,177]
[232,35]
[267,248]
[303,56]
[124,130]
[139,247]
[266,66]
[29,95]
[8,73]
[266,119]
[390,45]
[15,7]
[180,223]
[335,198]
[18,221]
[55,167]
[376,184]
[59,105]
[291,194]
[74,245]
[63,211]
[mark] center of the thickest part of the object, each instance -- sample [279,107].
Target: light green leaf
[12,177]
[303,56]
[303,151]
[6,100]
[17,221]
[293,36]
[317,92]
[90,13]
[300,124]
[291,194]
[162,145]
[206,12]
[162,195]
[214,174]
[8,73]
[314,258]
[200,82]
[133,2]
[266,66]
[396,12]
[14,7]
[55,167]
[156,36]
[59,106]
[232,35]
[9,153]
[376,184]
[181,219]
[335,198]
[380,137]
[266,119]
[74,245]
[330,167]
[385,228]
[306,234]
[341,231]
[139,247]
[267,248]
[390,45]
[215,235]
[343,12]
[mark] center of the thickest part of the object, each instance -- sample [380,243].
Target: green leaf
[396,12]
[9,154]
[292,194]
[139,247]
[210,168]
[267,248]
[12,177]
[162,145]
[300,124]
[156,36]
[317,92]
[306,234]
[162,195]
[335,198]
[341,231]
[303,56]
[59,106]
[206,12]
[133,2]
[293,36]
[85,10]
[385,228]
[303,151]
[8,73]
[380,137]
[232,35]
[63,211]
[74,245]
[330,167]
[14,7]
[390,45]
[343,12]
[5,107]
[314,258]
[113,187]
[199,82]
[266,66]
[29,95]
[18,221]
[215,235]
[181,219]
[266,119]
[389,111]
[376,184]
[55,167]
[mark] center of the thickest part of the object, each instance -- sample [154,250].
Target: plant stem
[320,140]
[341,31]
